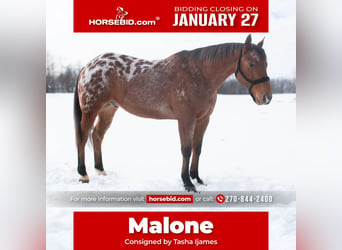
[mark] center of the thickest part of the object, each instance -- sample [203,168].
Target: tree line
[278,86]
[65,82]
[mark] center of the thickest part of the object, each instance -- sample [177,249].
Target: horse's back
[156,89]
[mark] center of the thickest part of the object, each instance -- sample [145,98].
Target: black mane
[212,52]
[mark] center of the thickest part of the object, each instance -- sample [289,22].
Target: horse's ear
[248,42]
[261,43]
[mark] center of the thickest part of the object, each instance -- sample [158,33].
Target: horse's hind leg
[85,127]
[105,117]
[200,128]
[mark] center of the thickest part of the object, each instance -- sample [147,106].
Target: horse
[121,13]
[182,86]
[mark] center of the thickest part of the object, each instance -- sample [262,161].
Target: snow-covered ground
[246,147]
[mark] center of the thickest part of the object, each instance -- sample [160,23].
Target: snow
[246,148]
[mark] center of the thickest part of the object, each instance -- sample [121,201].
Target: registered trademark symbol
[157,18]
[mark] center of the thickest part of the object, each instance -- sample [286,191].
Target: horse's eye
[252,65]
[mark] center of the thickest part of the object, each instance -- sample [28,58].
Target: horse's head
[251,71]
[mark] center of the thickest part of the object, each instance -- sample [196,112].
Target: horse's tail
[77,113]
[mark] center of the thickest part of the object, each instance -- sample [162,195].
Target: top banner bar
[171,16]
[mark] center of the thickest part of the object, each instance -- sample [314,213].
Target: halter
[252,83]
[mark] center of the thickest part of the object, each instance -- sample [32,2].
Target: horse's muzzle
[267,99]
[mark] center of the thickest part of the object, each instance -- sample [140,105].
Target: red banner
[171,230]
[171,16]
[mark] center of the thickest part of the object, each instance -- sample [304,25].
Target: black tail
[77,113]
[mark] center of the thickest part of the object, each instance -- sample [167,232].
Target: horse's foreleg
[200,128]
[186,129]
[104,121]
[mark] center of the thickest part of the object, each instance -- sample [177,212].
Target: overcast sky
[68,48]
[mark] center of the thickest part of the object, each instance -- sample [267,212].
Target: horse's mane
[212,52]
[215,52]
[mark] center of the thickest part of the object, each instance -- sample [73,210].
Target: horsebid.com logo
[120,19]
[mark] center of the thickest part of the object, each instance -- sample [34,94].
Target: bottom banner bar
[171,230]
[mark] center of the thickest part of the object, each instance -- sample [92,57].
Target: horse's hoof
[190,188]
[199,181]
[99,172]
[84,179]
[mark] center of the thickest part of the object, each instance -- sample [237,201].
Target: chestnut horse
[182,87]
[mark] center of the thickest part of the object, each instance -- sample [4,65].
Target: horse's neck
[217,71]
